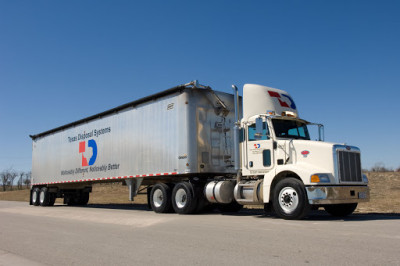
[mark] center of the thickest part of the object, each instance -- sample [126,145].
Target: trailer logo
[283,103]
[257,146]
[91,143]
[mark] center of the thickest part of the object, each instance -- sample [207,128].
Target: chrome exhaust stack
[236,149]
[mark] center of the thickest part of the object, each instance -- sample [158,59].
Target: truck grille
[349,166]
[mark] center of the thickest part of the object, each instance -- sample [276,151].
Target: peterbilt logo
[91,143]
[305,153]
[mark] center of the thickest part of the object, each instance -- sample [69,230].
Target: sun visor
[259,99]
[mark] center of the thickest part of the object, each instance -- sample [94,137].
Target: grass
[385,192]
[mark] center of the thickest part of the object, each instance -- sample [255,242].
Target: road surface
[132,235]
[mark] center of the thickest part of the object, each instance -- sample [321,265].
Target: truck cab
[283,168]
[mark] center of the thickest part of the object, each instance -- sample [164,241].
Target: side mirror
[259,128]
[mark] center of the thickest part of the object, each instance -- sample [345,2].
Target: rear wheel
[160,198]
[83,198]
[290,199]
[52,199]
[35,196]
[44,197]
[184,198]
[341,210]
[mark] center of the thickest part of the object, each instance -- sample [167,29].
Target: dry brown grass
[385,194]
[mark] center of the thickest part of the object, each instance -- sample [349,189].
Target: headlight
[320,178]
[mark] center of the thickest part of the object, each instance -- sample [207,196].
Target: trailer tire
[340,210]
[70,200]
[160,198]
[35,196]
[83,198]
[52,199]
[184,198]
[44,197]
[290,200]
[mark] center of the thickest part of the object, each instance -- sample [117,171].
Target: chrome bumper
[337,195]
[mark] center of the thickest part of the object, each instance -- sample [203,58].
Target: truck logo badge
[283,103]
[257,146]
[305,153]
[82,148]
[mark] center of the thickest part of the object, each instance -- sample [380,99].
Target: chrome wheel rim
[180,198]
[288,199]
[41,195]
[34,196]
[158,198]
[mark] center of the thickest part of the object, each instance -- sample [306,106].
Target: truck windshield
[290,129]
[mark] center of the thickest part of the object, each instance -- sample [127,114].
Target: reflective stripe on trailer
[104,178]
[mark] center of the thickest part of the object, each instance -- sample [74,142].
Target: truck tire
[44,197]
[52,199]
[290,199]
[160,198]
[35,196]
[83,198]
[184,198]
[340,210]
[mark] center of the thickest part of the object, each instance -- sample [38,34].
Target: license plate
[362,195]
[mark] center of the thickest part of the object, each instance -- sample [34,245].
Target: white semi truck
[192,147]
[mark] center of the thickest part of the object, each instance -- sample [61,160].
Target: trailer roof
[116,109]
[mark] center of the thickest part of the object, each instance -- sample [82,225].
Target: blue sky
[61,61]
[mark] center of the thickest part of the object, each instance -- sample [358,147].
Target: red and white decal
[105,178]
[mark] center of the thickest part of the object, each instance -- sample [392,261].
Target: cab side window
[252,133]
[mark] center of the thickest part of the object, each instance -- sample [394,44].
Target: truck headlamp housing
[320,178]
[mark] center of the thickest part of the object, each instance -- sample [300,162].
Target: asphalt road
[131,235]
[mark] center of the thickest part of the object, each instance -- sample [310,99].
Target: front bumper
[318,195]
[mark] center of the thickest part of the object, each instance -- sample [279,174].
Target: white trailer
[192,146]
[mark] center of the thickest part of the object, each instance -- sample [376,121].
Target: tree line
[9,176]
[380,167]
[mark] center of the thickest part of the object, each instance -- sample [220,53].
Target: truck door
[260,152]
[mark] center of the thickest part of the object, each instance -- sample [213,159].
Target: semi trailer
[191,146]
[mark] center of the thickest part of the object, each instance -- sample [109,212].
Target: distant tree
[380,167]
[27,179]
[12,175]
[20,179]
[4,179]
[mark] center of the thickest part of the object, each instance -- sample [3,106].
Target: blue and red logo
[281,99]
[257,145]
[91,143]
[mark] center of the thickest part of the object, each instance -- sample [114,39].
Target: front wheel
[341,210]
[290,199]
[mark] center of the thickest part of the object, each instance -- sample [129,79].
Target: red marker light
[305,153]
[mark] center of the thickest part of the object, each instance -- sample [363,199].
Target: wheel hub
[181,198]
[158,198]
[288,199]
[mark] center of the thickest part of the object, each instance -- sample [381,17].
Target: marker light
[270,112]
[289,114]
[319,178]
